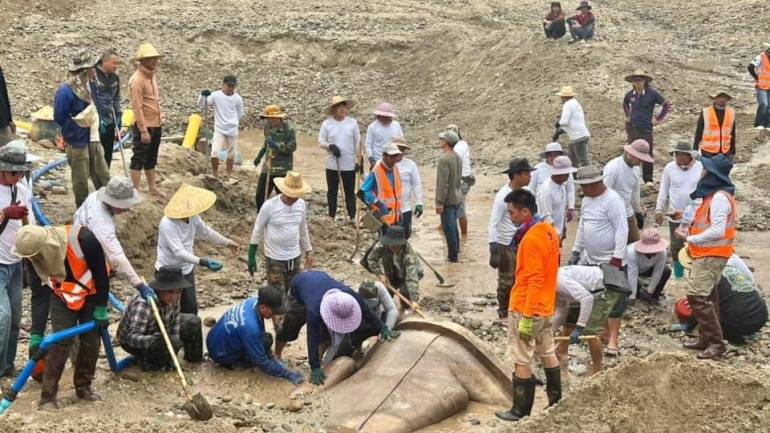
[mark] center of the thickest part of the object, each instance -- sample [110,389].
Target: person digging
[396,264]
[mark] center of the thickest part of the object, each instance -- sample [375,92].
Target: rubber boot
[55,361]
[702,342]
[553,385]
[678,270]
[716,345]
[523,399]
[85,367]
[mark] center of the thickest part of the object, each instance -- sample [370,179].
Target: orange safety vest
[722,247]
[717,139]
[763,82]
[388,193]
[74,293]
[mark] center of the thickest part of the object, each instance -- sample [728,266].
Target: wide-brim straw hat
[337,99]
[273,111]
[340,312]
[685,259]
[719,93]
[293,185]
[638,73]
[566,91]
[119,193]
[640,149]
[189,201]
[31,239]
[146,51]
[650,242]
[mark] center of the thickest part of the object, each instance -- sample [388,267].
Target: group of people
[581,25]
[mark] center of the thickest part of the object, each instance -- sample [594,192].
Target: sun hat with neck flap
[46,247]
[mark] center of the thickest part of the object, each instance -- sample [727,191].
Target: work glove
[574,259]
[259,157]
[15,211]
[317,376]
[526,329]
[147,292]
[616,262]
[213,265]
[101,318]
[295,378]
[156,342]
[574,337]
[570,215]
[639,220]
[557,125]
[335,150]
[388,335]
[34,345]
[252,259]
[418,210]
[272,144]
[205,92]
[494,257]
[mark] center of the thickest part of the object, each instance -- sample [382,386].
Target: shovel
[414,306]
[120,144]
[197,407]
[441,281]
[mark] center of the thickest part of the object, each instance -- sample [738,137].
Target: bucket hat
[719,166]
[651,242]
[518,165]
[638,73]
[400,142]
[189,201]
[588,174]
[640,149]
[454,128]
[272,298]
[14,158]
[562,165]
[566,91]
[584,5]
[721,93]
[385,109]
[119,193]
[551,147]
[293,185]
[146,51]
[394,236]
[274,111]
[450,137]
[391,149]
[336,99]
[80,62]
[682,147]
[169,278]
[21,144]
[340,312]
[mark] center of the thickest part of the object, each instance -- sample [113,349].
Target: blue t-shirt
[641,107]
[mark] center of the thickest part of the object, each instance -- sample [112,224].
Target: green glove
[101,318]
[526,330]
[252,259]
[317,376]
[388,335]
[34,344]
[259,157]
[418,210]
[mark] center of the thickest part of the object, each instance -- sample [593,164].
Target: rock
[209,321]
[227,399]
[270,405]
[58,189]
[474,421]
[445,308]
[475,324]
[295,405]
[286,427]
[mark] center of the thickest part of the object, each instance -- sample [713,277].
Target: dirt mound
[663,393]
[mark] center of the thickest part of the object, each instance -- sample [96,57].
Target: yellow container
[191,135]
[127,119]
[27,126]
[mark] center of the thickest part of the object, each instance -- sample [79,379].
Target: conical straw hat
[189,201]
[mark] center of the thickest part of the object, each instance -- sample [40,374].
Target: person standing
[411,186]
[280,145]
[340,137]
[105,90]
[281,227]
[573,122]
[647,258]
[759,68]
[533,300]
[177,231]
[622,176]
[502,252]
[448,194]
[639,107]
[467,179]
[147,130]
[716,128]
[381,190]
[553,23]
[680,178]
[228,112]
[553,199]
[7,126]
[710,240]
[381,132]
[71,112]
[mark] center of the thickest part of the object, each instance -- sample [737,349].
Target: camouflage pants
[280,272]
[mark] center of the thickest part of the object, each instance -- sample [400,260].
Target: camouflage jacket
[283,157]
[401,269]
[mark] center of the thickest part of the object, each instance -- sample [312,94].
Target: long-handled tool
[341,186]
[269,166]
[120,144]
[411,304]
[357,222]
[441,281]
[196,406]
[581,338]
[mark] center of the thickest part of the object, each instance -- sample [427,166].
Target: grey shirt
[449,173]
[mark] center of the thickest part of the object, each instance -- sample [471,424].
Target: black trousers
[189,301]
[40,300]
[107,138]
[349,187]
[260,196]
[636,133]
[191,334]
[556,31]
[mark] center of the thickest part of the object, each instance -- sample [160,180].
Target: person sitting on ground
[553,23]
[228,112]
[647,258]
[336,317]
[381,132]
[396,264]
[378,299]
[280,145]
[139,333]
[581,26]
[239,338]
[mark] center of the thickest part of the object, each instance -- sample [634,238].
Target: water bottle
[688,216]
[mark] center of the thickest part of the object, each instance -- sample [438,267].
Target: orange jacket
[74,293]
[722,247]
[537,265]
[717,139]
[387,193]
[763,74]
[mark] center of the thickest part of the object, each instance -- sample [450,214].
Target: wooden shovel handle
[169,346]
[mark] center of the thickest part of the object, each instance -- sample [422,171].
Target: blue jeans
[10,314]
[586,32]
[452,232]
[763,108]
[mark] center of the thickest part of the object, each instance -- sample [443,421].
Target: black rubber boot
[553,385]
[85,366]
[523,399]
[55,360]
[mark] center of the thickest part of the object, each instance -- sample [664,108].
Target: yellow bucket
[127,119]
[191,135]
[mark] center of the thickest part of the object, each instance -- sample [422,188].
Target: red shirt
[584,18]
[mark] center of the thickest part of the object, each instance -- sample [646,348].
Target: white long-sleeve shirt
[573,120]
[576,284]
[283,228]
[378,135]
[501,228]
[541,174]
[624,180]
[93,214]
[676,185]
[464,152]
[386,306]
[552,204]
[603,229]
[411,184]
[228,111]
[176,239]
[718,212]
[346,135]
[639,263]
[8,237]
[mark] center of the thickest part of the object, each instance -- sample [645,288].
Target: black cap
[230,80]
[519,165]
[272,298]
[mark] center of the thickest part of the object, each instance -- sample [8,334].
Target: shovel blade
[445,284]
[198,408]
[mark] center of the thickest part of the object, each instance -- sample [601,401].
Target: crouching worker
[139,333]
[239,338]
[396,264]
[337,318]
[377,298]
[72,261]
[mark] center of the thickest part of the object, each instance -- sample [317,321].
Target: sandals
[612,352]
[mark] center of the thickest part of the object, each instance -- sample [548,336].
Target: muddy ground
[483,65]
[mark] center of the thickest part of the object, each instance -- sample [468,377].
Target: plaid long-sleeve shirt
[138,324]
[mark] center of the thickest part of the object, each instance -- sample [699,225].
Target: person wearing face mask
[679,179]
[715,133]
